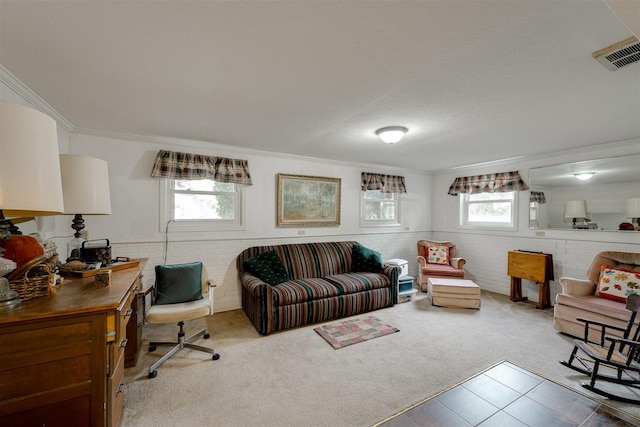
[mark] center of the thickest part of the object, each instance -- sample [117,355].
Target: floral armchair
[438,259]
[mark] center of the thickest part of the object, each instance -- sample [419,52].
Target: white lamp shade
[575,209]
[85,185]
[30,182]
[633,208]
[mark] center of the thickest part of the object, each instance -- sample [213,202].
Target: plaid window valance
[537,196]
[502,182]
[176,165]
[384,183]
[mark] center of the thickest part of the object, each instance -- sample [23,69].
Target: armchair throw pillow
[267,267]
[364,259]
[438,255]
[616,284]
[178,283]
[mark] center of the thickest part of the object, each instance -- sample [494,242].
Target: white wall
[135,195]
[486,250]
[134,227]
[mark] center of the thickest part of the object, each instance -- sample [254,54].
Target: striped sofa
[321,286]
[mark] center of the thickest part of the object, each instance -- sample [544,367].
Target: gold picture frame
[308,201]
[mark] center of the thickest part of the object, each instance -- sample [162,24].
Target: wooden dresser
[62,357]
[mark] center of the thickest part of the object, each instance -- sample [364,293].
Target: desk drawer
[52,367]
[115,393]
[124,313]
[122,316]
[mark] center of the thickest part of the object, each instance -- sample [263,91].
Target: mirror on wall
[557,191]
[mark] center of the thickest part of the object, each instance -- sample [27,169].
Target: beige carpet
[293,378]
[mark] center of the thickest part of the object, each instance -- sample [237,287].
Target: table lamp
[575,209]
[30,183]
[85,186]
[633,211]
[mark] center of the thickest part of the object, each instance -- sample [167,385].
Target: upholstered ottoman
[453,293]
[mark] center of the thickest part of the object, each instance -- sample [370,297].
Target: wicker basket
[35,282]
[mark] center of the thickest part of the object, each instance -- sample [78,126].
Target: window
[490,210]
[379,209]
[533,214]
[201,205]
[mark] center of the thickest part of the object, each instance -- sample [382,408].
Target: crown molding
[15,84]
[232,151]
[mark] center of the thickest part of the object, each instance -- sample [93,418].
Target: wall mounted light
[583,176]
[391,134]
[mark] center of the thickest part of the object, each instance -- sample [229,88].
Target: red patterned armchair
[438,259]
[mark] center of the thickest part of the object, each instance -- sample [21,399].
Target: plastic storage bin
[402,263]
[405,283]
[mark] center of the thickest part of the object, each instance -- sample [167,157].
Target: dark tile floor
[507,395]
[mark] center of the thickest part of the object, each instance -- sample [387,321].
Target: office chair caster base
[152,348]
[153,374]
[206,336]
[215,356]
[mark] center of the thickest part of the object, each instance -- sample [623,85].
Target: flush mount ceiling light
[583,176]
[391,134]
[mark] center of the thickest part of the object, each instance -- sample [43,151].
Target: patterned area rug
[353,331]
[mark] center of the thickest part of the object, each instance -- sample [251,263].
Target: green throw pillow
[267,267]
[178,283]
[365,259]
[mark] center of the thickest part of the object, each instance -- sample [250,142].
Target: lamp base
[77,224]
[9,299]
[73,248]
[579,224]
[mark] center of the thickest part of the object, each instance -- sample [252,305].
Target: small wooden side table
[534,266]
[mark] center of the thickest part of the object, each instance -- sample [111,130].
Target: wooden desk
[62,356]
[534,266]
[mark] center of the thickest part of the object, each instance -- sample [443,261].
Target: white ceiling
[474,81]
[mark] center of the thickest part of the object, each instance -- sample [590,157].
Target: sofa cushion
[590,305]
[564,320]
[437,255]
[267,267]
[178,283]
[366,260]
[616,284]
[621,260]
[441,270]
[305,260]
[310,289]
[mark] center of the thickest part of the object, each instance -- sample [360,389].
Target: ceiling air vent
[620,54]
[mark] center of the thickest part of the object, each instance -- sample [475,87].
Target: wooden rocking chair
[619,356]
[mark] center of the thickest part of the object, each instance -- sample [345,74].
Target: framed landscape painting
[308,201]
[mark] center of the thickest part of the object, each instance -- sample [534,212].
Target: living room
[138,226]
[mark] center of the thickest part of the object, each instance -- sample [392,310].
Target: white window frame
[364,222]
[534,214]
[465,203]
[197,225]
